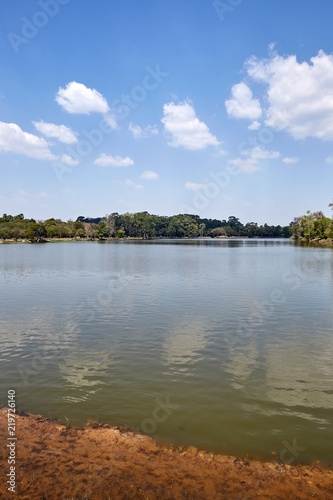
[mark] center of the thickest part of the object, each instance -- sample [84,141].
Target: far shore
[104,462]
[328,243]
[60,240]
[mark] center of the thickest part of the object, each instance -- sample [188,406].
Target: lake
[226,345]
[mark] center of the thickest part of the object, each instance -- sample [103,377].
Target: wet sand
[103,462]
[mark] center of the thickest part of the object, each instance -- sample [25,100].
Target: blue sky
[212,108]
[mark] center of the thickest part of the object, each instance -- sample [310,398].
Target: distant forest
[135,225]
[313,226]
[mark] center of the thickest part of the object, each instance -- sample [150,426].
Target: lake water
[226,345]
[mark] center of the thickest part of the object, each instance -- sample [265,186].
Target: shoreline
[319,242]
[99,461]
[135,238]
[298,242]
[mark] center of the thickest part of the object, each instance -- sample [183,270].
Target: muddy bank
[104,462]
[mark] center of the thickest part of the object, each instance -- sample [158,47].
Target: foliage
[101,230]
[120,233]
[36,232]
[312,226]
[134,225]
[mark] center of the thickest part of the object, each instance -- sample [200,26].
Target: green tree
[51,232]
[101,230]
[36,232]
[251,229]
[80,233]
[234,223]
[4,233]
[218,232]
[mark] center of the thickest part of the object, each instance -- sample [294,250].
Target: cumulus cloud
[142,133]
[77,98]
[290,160]
[192,186]
[252,159]
[299,94]
[68,160]
[110,119]
[242,104]
[149,174]
[184,128]
[329,159]
[258,153]
[246,165]
[60,132]
[128,182]
[113,161]
[13,139]
[254,125]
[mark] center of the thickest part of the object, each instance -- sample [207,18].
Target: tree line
[313,226]
[135,225]
[18,228]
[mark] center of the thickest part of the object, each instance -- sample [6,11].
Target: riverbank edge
[134,238]
[99,461]
[318,242]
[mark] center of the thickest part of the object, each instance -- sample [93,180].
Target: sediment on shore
[103,462]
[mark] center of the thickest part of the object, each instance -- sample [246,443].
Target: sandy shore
[104,462]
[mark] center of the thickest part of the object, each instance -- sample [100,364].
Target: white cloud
[290,160]
[192,186]
[149,174]
[329,159]
[77,98]
[242,104]
[261,154]
[128,182]
[247,165]
[113,161]
[61,132]
[251,163]
[141,133]
[299,95]
[14,140]
[185,129]
[111,120]
[254,126]
[68,160]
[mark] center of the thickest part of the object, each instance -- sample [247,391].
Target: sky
[214,108]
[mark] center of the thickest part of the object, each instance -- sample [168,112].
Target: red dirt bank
[102,462]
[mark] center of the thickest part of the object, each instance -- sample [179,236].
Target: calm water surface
[224,345]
